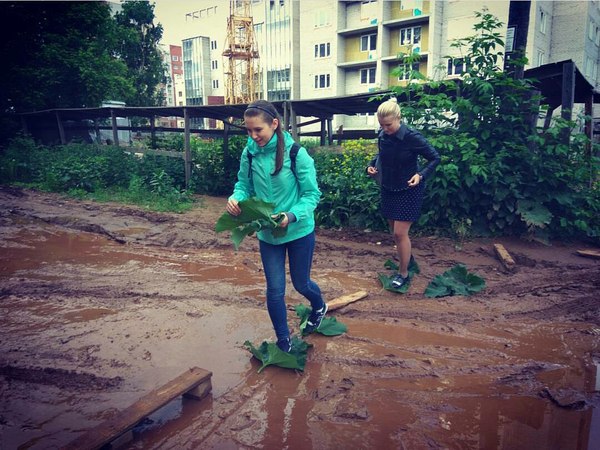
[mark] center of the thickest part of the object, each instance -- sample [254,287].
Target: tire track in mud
[62,379]
[489,345]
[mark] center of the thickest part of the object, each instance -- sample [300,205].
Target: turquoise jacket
[298,194]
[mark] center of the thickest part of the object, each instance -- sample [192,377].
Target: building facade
[315,49]
[197,73]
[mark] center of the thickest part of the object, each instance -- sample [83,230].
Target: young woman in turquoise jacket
[268,176]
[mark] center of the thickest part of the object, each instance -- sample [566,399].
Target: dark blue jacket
[398,157]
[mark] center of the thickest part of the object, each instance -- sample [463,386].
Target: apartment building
[315,48]
[351,47]
[277,31]
[197,73]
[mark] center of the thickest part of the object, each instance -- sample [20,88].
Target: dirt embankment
[102,302]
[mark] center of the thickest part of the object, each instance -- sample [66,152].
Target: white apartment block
[315,48]
[351,47]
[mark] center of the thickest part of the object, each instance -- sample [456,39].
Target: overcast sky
[171,13]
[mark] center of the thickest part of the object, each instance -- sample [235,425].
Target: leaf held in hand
[255,216]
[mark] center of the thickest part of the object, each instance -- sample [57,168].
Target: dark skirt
[405,205]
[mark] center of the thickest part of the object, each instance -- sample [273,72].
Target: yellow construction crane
[240,57]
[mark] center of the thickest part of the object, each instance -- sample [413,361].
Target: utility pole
[241,68]
[516,36]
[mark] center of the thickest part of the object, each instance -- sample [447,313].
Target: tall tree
[71,54]
[57,55]
[138,38]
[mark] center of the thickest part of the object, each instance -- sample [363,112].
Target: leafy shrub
[350,197]
[102,173]
[214,172]
[499,174]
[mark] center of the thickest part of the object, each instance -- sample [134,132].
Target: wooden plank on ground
[194,381]
[507,261]
[589,253]
[344,300]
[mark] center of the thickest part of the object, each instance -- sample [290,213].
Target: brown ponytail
[268,112]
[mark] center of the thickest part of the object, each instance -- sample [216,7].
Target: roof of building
[547,78]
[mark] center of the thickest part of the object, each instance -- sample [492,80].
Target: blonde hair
[389,108]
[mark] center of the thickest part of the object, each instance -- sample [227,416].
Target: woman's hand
[371,171]
[415,180]
[233,208]
[282,219]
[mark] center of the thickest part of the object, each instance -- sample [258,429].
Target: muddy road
[101,303]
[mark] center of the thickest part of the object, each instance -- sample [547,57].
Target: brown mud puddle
[87,326]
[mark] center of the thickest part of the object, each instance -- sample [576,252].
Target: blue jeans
[300,254]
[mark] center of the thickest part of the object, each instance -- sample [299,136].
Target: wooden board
[589,253]
[125,420]
[344,300]
[505,258]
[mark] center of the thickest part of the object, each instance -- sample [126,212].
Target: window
[174,58]
[368,9]
[321,18]
[597,36]
[322,81]
[322,50]
[368,42]
[543,20]
[180,94]
[410,36]
[214,64]
[213,45]
[367,76]
[541,58]
[456,66]
[215,84]
[283,75]
[406,70]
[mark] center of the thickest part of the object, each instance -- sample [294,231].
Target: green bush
[214,172]
[499,174]
[350,198]
[97,172]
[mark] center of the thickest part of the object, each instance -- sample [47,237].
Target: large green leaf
[455,281]
[252,209]
[534,213]
[256,215]
[329,325]
[386,280]
[269,354]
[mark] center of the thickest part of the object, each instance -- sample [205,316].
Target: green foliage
[386,280]
[76,54]
[350,197]
[499,174]
[255,216]
[269,354]
[139,38]
[455,281]
[215,172]
[329,325]
[102,173]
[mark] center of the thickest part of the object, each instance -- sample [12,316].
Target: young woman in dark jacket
[402,182]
